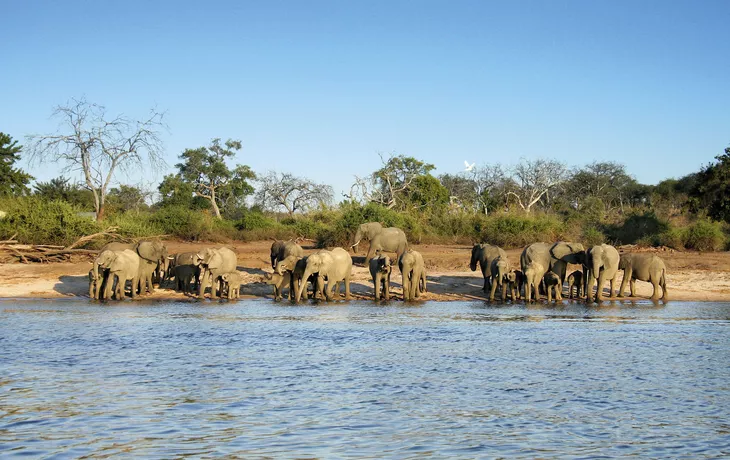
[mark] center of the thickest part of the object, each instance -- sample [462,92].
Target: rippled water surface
[256,378]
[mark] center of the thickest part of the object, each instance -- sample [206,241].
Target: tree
[606,181]
[61,189]
[99,146]
[212,179]
[291,193]
[711,191]
[389,186]
[175,191]
[127,197]
[477,190]
[533,180]
[13,181]
[427,191]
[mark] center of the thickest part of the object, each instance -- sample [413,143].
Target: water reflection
[473,379]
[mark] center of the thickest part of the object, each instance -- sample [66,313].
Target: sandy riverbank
[691,275]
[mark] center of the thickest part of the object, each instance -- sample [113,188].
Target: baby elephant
[185,276]
[278,281]
[233,280]
[380,270]
[94,284]
[575,279]
[553,284]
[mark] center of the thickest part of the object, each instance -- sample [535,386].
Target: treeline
[535,200]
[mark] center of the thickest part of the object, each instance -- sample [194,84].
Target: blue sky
[317,88]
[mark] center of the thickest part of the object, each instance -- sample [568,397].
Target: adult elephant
[412,269]
[553,257]
[484,254]
[153,254]
[119,265]
[213,264]
[644,267]
[333,266]
[601,260]
[391,239]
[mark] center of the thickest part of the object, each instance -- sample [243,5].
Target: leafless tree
[98,146]
[291,193]
[533,179]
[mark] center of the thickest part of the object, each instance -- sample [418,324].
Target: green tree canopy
[13,181]
[712,189]
[205,168]
[61,189]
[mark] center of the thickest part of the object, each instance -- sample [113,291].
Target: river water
[255,378]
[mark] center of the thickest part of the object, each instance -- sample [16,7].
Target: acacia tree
[206,169]
[97,145]
[607,181]
[390,185]
[533,179]
[277,191]
[13,181]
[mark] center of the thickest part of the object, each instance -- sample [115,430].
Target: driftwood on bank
[45,253]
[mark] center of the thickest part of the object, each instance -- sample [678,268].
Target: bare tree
[488,184]
[534,179]
[291,193]
[98,146]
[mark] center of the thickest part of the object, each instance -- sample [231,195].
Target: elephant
[553,284]
[94,284]
[278,282]
[391,239]
[534,271]
[185,276]
[643,267]
[152,255]
[484,254]
[575,279]
[380,270]
[297,279]
[601,260]
[333,266]
[513,286]
[122,265]
[233,281]
[412,269]
[213,263]
[286,255]
[499,270]
[554,257]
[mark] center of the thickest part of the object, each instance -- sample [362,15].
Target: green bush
[512,231]
[37,221]
[255,221]
[592,237]
[673,238]
[705,235]
[636,228]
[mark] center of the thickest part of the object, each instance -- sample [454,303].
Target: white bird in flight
[469,167]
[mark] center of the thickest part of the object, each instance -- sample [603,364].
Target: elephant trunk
[473,262]
[358,238]
[303,285]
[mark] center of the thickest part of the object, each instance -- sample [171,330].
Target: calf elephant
[643,267]
[499,270]
[553,285]
[332,266]
[380,270]
[601,262]
[575,280]
[121,266]
[233,282]
[484,254]
[185,277]
[284,255]
[391,239]
[534,273]
[278,282]
[412,269]
[213,263]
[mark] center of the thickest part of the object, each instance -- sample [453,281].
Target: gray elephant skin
[185,277]
[120,266]
[153,254]
[534,272]
[391,239]
[284,255]
[575,280]
[601,260]
[213,263]
[232,280]
[499,271]
[553,285]
[554,257]
[332,266]
[380,270]
[643,267]
[412,269]
[483,254]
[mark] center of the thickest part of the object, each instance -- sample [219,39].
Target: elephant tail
[663,280]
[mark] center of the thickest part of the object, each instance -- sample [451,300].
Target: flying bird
[469,167]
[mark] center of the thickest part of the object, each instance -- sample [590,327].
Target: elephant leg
[549,293]
[655,285]
[599,288]
[108,288]
[612,286]
[494,288]
[486,279]
[627,276]
[376,282]
[347,287]
[559,294]
[386,287]
[503,285]
[632,285]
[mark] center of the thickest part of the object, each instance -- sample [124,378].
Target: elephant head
[203,256]
[502,267]
[104,260]
[319,262]
[366,231]
[476,252]
[595,259]
[567,252]
[153,251]
[384,264]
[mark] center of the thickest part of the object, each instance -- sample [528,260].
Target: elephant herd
[542,268]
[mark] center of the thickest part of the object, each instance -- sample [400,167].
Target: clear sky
[317,88]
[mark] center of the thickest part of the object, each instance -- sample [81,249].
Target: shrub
[254,220]
[37,221]
[592,236]
[673,238]
[646,226]
[705,235]
[511,231]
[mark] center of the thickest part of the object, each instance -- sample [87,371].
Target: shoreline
[702,277]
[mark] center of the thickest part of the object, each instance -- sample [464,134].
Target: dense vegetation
[539,200]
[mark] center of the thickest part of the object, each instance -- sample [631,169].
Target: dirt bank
[691,275]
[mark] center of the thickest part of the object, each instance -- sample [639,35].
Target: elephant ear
[562,249]
[149,251]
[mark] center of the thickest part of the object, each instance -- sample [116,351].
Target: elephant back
[152,251]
